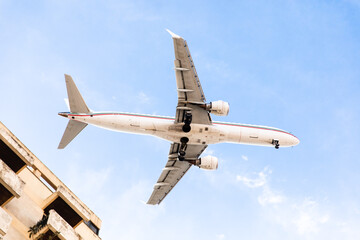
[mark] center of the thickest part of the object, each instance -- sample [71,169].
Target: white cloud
[270,197]
[303,217]
[255,182]
[244,157]
[142,97]
[220,236]
[308,218]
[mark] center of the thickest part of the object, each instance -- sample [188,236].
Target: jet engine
[208,163]
[219,108]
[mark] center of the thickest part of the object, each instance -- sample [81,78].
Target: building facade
[34,203]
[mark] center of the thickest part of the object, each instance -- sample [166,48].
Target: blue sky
[287,64]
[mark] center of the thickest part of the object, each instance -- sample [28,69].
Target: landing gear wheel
[186,128]
[188,118]
[181,153]
[276,143]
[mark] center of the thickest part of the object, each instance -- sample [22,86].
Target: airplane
[190,131]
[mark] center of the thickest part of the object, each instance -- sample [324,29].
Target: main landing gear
[188,118]
[275,142]
[181,154]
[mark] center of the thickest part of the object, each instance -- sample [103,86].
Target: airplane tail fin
[77,105]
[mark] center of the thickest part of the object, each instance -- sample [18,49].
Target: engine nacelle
[208,163]
[219,108]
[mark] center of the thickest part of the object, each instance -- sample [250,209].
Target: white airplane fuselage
[201,134]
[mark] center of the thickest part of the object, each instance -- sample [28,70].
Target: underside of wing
[174,170]
[190,93]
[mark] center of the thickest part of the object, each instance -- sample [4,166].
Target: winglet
[173,35]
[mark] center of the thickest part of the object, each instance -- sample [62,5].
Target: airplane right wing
[174,170]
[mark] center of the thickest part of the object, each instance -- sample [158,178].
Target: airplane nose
[295,141]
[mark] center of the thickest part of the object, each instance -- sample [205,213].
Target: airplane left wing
[190,92]
[174,170]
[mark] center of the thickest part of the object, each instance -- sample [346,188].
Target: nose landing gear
[275,142]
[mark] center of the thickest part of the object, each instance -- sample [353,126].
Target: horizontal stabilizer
[76,102]
[72,130]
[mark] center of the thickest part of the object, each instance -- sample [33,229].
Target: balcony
[5,221]
[56,227]
[10,184]
[67,206]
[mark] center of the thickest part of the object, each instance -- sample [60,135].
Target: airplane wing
[190,93]
[174,170]
[190,99]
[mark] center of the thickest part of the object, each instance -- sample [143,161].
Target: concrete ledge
[5,221]
[73,203]
[17,145]
[57,224]
[10,180]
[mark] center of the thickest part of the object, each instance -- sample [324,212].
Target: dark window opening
[10,158]
[65,211]
[49,235]
[5,195]
[92,227]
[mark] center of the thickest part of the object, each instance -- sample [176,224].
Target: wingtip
[67,76]
[173,35]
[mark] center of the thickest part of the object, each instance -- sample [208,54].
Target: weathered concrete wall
[10,180]
[14,234]
[86,233]
[25,209]
[5,221]
[34,187]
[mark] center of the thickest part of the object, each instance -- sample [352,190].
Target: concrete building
[30,192]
